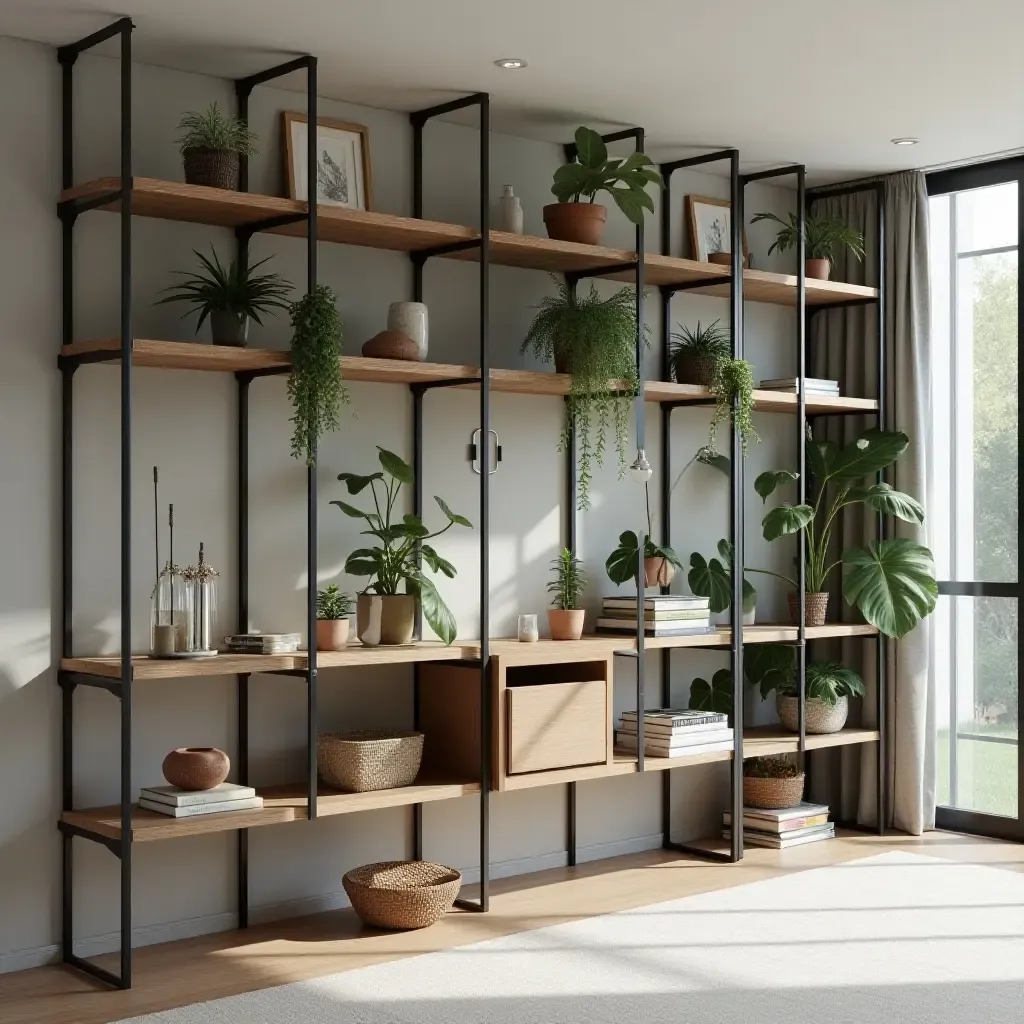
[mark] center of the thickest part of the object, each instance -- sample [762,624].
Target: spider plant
[696,352]
[823,236]
[213,129]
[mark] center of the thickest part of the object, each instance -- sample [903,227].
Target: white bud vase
[410,318]
[510,212]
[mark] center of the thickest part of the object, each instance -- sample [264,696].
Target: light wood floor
[194,970]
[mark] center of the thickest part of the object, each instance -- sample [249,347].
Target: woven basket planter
[694,369]
[772,794]
[402,894]
[815,608]
[215,168]
[819,717]
[360,762]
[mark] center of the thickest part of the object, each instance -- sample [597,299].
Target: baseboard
[148,935]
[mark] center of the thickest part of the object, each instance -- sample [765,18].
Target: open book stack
[794,826]
[812,386]
[185,803]
[673,732]
[664,615]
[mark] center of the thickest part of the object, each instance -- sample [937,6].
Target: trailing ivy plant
[823,235]
[567,586]
[734,378]
[593,340]
[315,386]
[213,129]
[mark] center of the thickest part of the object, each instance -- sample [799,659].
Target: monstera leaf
[892,582]
[769,667]
[870,453]
[882,498]
[767,482]
[786,519]
[714,696]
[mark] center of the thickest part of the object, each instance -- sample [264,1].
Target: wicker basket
[772,794]
[402,894]
[689,369]
[819,717]
[815,608]
[215,168]
[360,762]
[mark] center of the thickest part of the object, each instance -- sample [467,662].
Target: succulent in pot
[565,617]
[696,352]
[660,561]
[211,144]
[383,614]
[333,609]
[626,180]
[823,236]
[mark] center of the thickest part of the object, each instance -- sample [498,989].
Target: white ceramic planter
[410,318]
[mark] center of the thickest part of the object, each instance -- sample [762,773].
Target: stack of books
[676,732]
[794,826]
[664,615]
[812,386]
[262,643]
[184,803]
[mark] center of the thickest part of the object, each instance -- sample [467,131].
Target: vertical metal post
[417,203]
[881,384]
[665,490]
[801,460]
[571,496]
[640,411]
[242,625]
[417,509]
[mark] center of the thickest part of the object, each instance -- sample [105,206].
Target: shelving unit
[473,763]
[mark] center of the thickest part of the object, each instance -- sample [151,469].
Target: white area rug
[892,939]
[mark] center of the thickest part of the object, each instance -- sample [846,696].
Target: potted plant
[626,180]
[733,379]
[593,340]
[712,578]
[332,611]
[315,386]
[565,617]
[383,615]
[660,561]
[891,582]
[229,297]
[772,783]
[823,236]
[211,144]
[696,353]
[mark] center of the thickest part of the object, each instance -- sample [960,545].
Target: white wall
[184,422]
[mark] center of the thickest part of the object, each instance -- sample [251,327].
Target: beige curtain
[844,346]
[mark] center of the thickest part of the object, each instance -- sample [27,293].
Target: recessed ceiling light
[510,63]
[904,142]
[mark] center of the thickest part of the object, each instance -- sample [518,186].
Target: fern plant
[823,236]
[315,386]
[569,581]
[734,378]
[592,339]
[213,129]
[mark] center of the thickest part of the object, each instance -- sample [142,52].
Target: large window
[974,501]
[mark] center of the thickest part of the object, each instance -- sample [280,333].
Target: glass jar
[202,578]
[169,613]
[528,630]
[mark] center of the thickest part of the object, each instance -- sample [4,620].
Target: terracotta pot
[818,269]
[576,222]
[815,609]
[331,634]
[566,623]
[387,619]
[819,717]
[228,327]
[658,571]
[215,168]
[196,768]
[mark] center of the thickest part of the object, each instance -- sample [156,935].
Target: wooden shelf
[357,654]
[281,804]
[179,668]
[772,739]
[172,200]
[775,634]
[764,401]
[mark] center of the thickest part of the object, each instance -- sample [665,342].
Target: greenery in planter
[709,343]
[713,579]
[733,378]
[623,562]
[236,289]
[333,604]
[772,667]
[213,129]
[567,586]
[770,768]
[595,339]
[823,236]
[395,561]
[592,171]
[712,696]
[315,386]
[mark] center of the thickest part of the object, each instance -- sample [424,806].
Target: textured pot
[658,571]
[228,327]
[196,768]
[576,222]
[772,794]
[331,634]
[411,319]
[818,269]
[694,369]
[215,168]
[566,623]
[819,717]
[392,345]
[386,619]
[815,608]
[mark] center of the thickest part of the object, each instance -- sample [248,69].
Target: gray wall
[185,423]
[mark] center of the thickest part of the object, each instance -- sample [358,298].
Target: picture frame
[709,225]
[343,158]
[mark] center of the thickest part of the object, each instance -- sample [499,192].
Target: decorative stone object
[392,345]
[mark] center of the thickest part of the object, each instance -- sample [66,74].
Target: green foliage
[823,236]
[314,384]
[569,581]
[770,768]
[711,342]
[395,560]
[623,562]
[214,130]
[713,580]
[235,288]
[733,378]
[714,696]
[333,604]
[772,667]
[596,340]
[592,171]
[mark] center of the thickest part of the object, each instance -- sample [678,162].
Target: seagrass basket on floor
[401,894]
[370,759]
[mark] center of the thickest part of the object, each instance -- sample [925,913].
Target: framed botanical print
[709,222]
[342,161]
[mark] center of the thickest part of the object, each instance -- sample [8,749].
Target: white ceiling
[817,81]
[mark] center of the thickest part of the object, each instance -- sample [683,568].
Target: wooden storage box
[557,725]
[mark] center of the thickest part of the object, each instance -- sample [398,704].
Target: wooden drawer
[557,725]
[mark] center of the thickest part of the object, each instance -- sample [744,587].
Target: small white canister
[410,318]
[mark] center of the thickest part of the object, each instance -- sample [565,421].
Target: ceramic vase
[411,319]
[196,768]
[510,212]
